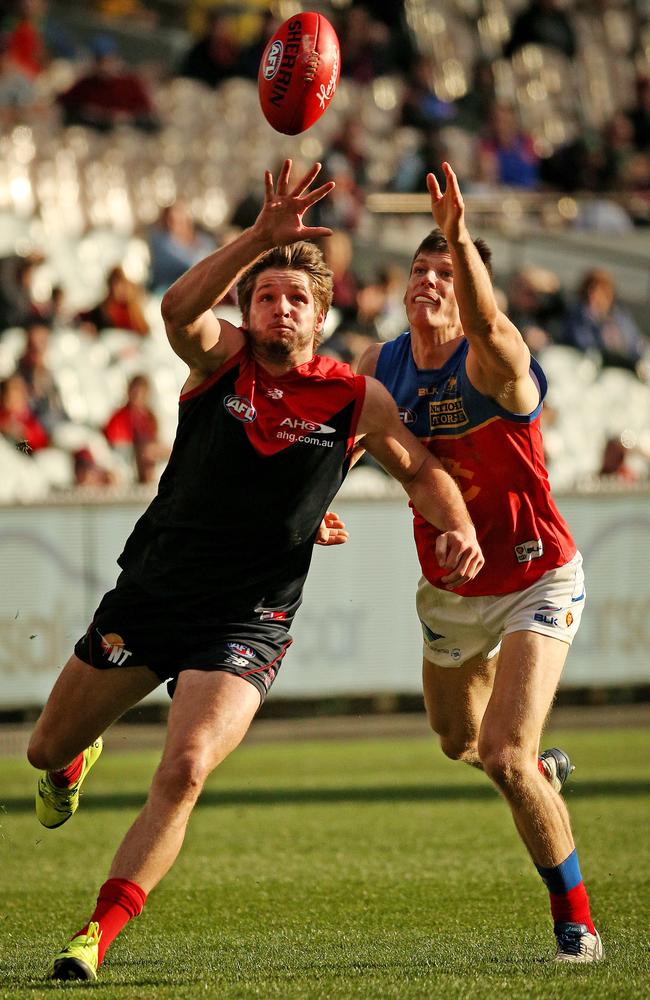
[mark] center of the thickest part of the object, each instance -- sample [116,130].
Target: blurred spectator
[24,35]
[57,310]
[614,462]
[392,278]
[349,143]
[133,431]
[366,49]
[357,332]
[174,245]
[44,397]
[88,472]
[472,110]
[506,153]
[217,54]
[417,159]
[542,22]
[618,135]
[248,208]
[17,305]
[131,11]
[250,55]
[121,308]
[391,15]
[421,107]
[596,322]
[536,306]
[342,207]
[584,164]
[338,252]
[17,422]
[639,114]
[17,93]
[108,95]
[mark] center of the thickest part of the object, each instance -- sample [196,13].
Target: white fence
[357,632]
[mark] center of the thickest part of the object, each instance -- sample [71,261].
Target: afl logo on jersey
[240,408]
[406,416]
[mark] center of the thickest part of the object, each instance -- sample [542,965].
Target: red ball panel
[299,72]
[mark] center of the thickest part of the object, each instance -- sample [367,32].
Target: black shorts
[132,628]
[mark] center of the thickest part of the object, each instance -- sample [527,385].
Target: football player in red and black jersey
[212,574]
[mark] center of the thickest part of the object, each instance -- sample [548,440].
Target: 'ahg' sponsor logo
[309,426]
[240,408]
[303,431]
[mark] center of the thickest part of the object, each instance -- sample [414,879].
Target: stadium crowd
[114,183]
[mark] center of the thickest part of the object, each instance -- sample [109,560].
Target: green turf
[372,869]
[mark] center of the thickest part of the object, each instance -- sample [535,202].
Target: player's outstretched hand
[332,530]
[448,208]
[280,220]
[459,552]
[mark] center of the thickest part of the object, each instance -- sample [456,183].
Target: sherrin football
[299,72]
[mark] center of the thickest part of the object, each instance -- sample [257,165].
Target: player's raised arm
[499,360]
[433,491]
[196,335]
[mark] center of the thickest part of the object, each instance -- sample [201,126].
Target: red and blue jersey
[497,459]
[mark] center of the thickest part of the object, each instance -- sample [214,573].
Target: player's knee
[457,748]
[181,777]
[40,755]
[505,765]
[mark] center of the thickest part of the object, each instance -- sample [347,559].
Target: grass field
[366,869]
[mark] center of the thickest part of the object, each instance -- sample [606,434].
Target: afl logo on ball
[240,408]
[273,60]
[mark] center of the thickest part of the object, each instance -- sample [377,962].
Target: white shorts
[456,628]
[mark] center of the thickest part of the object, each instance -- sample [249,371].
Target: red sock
[572,907]
[68,775]
[118,902]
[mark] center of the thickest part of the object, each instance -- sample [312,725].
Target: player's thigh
[455,698]
[528,670]
[209,716]
[82,704]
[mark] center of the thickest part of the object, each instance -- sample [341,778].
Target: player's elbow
[170,307]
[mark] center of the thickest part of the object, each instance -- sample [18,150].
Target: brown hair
[596,278]
[301,256]
[436,242]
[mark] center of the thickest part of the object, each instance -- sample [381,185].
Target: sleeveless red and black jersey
[256,462]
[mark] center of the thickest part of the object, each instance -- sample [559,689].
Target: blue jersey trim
[423,394]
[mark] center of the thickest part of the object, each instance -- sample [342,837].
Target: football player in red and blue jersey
[493,648]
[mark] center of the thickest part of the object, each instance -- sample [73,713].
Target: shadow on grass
[315,796]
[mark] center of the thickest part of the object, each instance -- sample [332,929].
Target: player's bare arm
[498,361]
[432,490]
[202,340]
